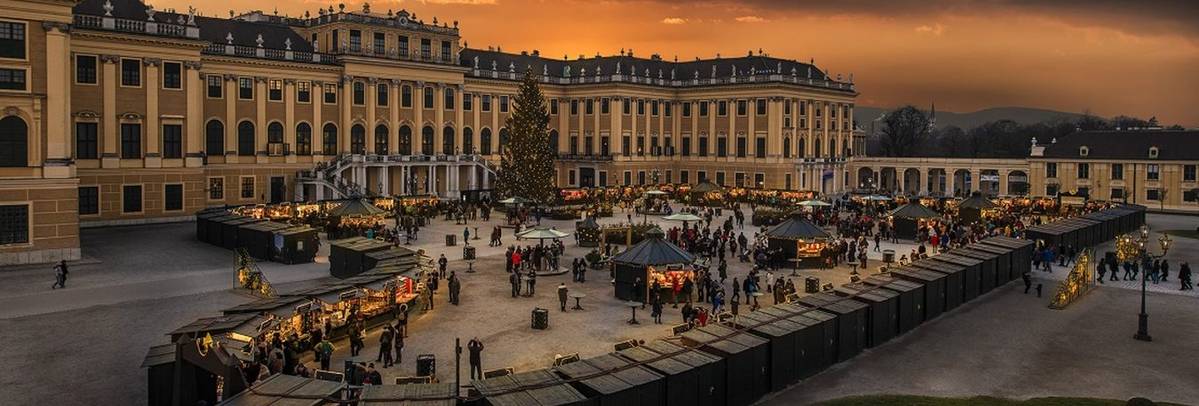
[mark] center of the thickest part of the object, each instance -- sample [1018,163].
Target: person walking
[532,281]
[1027,278]
[1165,270]
[656,309]
[356,343]
[455,288]
[60,275]
[324,352]
[441,265]
[562,290]
[476,357]
[385,346]
[1184,276]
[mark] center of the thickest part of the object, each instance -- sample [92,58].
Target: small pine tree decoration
[527,161]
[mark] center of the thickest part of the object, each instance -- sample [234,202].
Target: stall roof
[705,187]
[597,380]
[280,389]
[549,388]
[976,201]
[346,241]
[588,222]
[267,226]
[296,229]
[658,362]
[940,266]
[159,355]
[797,228]
[1008,242]
[397,395]
[654,251]
[685,355]
[951,256]
[357,207]
[220,324]
[739,337]
[619,367]
[914,211]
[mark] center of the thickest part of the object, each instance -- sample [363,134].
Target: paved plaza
[138,283]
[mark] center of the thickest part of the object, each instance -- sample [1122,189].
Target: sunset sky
[1107,56]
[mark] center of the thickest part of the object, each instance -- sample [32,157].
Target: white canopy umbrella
[814,203]
[656,193]
[542,233]
[682,217]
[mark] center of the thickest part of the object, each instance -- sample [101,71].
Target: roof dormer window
[1084,151]
[1153,152]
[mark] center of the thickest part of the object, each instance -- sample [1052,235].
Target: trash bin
[888,256]
[541,318]
[451,240]
[468,253]
[426,365]
[811,285]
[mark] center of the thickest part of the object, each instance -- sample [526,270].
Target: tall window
[329,139]
[486,100]
[1117,171]
[1084,170]
[1188,173]
[485,141]
[330,94]
[405,140]
[741,107]
[172,75]
[786,147]
[85,69]
[447,140]
[703,109]
[355,41]
[357,139]
[722,146]
[245,138]
[1151,172]
[426,48]
[403,45]
[426,140]
[380,43]
[760,147]
[214,138]
[760,107]
[12,40]
[245,88]
[405,96]
[741,147]
[703,145]
[449,98]
[172,141]
[1051,169]
[14,142]
[131,199]
[428,97]
[303,139]
[304,92]
[216,188]
[381,94]
[86,140]
[275,90]
[605,105]
[131,140]
[359,93]
[468,101]
[468,141]
[503,104]
[274,133]
[381,143]
[216,86]
[131,72]
[247,187]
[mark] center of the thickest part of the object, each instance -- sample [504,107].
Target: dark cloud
[1150,17]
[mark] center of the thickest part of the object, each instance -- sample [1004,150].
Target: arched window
[554,141]
[503,139]
[381,144]
[845,148]
[405,140]
[816,148]
[329,139]
[447,140]
[303,139]
[485,141]
[832,147]
[468,141]
[426,140]
[245,138]
[800,145]
[214,138]
[274,133]
[786,147]
[14,142]
[357,139]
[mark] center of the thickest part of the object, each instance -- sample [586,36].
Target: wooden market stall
[800,240]
[653,259]
[908,219]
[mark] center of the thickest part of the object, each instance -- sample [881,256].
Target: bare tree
[903,132]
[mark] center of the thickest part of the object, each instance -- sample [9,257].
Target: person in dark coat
[639,292]
[476,357]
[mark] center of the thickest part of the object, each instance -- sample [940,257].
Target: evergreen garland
[527,161]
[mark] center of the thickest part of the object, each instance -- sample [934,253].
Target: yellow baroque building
[116,113]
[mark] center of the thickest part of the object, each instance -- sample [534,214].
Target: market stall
[258,238]
[353,217]
[588,231]
[347,256]
[295,245]
[975,208]
[801,242]
[909,218]
[706,194]
[653,259]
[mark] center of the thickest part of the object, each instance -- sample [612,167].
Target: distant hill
[1022,115]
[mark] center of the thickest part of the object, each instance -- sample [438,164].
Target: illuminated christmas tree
[527,161]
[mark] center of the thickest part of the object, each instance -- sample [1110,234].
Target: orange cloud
[674,21]
[935,29]
[749,19]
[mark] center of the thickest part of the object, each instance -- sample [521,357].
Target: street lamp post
[1142,242]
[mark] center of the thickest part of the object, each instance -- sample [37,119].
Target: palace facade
[115,113]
